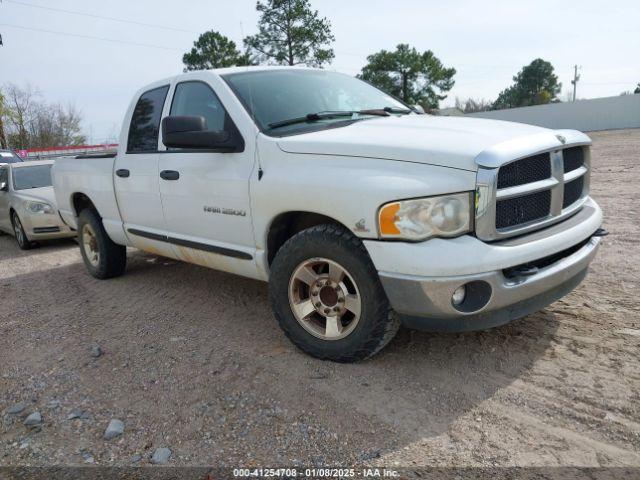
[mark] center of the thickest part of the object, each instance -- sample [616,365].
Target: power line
[101,17]
[91,37]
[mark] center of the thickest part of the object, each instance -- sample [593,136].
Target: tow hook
[601,232]
[521,272]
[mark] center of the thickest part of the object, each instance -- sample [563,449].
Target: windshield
[9,157]
[278,95]
[32,177]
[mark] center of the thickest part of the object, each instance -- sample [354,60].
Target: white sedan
[27,203]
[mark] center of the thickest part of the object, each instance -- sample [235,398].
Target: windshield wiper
[314,117]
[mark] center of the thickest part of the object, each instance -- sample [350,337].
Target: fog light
[458,296]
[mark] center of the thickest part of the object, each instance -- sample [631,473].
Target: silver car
[27,203]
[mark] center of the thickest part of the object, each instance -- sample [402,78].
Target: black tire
[21,237]
[377,324]
[112,259]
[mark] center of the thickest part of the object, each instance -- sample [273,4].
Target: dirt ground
[193,360]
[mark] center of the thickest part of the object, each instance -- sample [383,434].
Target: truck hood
[444,141]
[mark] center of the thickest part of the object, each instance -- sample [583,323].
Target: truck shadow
[416,388]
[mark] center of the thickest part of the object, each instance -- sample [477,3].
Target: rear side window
[145,123]
[4,175]
[198,99]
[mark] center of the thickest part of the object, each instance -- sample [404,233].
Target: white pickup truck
[359,211]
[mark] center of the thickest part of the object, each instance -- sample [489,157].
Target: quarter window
[145,123]
[198,99]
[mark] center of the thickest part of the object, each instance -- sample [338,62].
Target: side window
[4,175]
[145,122]
[198,99]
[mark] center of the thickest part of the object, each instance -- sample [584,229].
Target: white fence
[608,113]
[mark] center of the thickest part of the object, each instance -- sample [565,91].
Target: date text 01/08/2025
[315,473]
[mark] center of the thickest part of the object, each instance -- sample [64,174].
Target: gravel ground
[192,360]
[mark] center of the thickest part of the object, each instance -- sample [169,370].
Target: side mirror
[191,132]
[419,108]
[4,186]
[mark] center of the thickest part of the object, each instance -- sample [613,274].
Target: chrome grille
[531,192]
[572,158]
[523,171]
[572,191]
[518,210]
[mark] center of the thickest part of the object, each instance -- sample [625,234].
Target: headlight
[38,207]
[422,218]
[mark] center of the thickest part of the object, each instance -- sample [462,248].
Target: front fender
[349,190]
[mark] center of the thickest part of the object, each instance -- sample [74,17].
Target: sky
[486,41]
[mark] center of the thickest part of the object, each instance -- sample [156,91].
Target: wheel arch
[286,224]
[80,202]
[11,212]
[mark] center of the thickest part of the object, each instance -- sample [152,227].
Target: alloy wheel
[19,231]
[325,299]
[90,245]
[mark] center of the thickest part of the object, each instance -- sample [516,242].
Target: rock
[114,429]
[304,429]
[33,420]
[78,413]
[96,350]
[136,458]
[53,404]
[370,455]
[161,456]
[87,457]
[17,408]
[319,375]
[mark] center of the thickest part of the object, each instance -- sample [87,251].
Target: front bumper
[494,295]
[44,226]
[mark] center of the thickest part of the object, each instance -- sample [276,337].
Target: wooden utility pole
[576,77]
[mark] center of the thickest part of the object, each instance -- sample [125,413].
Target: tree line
[26,121]
[290,32]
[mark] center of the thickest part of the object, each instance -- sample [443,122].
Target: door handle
[169,175]
[123,173]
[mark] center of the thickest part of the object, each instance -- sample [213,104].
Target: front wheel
[102,257]
[21,237]
[327,297]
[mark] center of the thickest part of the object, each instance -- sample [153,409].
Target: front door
[205,195]
[137,176]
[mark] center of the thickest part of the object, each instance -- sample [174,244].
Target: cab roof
[257,68]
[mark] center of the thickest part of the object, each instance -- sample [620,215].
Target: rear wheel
[102,257]
[21,237]
[327,297]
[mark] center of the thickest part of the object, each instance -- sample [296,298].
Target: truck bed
[90,176]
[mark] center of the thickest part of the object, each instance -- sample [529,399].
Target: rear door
[137,178]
